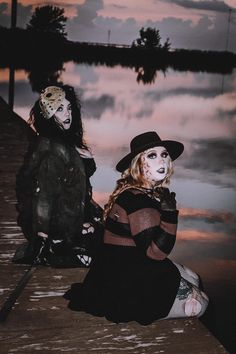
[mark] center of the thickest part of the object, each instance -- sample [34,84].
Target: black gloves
[167,199]
[40,250]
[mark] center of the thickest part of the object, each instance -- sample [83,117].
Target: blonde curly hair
[133,177]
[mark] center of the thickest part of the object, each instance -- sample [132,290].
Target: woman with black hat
[132,277]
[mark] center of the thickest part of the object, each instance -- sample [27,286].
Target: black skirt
[125,285]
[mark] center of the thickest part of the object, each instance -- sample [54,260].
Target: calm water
[198,109]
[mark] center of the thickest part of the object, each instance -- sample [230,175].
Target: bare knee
[195,306]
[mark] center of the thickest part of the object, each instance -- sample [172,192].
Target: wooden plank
[42,322]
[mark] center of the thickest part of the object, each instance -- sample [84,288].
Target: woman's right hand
[40,245]
[84,153]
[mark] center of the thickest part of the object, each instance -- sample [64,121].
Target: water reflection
[185,106]
[146,74]
[39,78]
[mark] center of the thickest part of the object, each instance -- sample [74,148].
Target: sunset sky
[192,24]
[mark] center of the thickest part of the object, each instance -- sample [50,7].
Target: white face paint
[155,164]
[63,116]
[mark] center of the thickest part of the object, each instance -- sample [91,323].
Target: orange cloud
[197,235]
[68,5]
[20,75]
[208,214]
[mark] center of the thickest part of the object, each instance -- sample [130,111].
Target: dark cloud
[89,26]
[208,92]
[82,27]
[144,112]
[210,218]
[119,6]
[94,28]
[208,34]
[24,14]
[210,161]
[207,5]
[200,250]
[94,108]
[122,31]
[215,155]
[87,74]
[3,7]
[4,88]
[4,16]
[229,115]
[87,12]
[23,97]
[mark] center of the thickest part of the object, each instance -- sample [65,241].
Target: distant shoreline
[27,49]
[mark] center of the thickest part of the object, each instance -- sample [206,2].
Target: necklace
[153,193]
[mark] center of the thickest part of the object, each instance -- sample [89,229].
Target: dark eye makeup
[61,108]
[153,154]
[164,154]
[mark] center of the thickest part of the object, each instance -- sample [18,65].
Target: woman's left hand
[167,199]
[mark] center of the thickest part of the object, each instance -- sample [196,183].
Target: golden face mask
[50,100]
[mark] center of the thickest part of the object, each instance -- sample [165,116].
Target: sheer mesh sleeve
[153,235]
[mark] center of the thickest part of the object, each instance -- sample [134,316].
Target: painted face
[63,116]
[156,164]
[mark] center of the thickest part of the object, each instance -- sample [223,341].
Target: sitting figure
[54,194]
[132,278]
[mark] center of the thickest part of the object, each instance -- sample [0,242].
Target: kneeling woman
[132,277]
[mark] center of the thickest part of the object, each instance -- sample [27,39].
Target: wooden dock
[40,321]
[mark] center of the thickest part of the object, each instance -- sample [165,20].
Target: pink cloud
[208,214]
[197,235]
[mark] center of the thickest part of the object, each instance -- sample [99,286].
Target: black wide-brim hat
[146,141]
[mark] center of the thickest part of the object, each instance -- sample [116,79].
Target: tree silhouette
[48,19]
[146,74]
[40,77]
[150,38]
[166,45]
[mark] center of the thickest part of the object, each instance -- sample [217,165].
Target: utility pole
[11,68]
[228,30]
[13,13]
[109,36]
